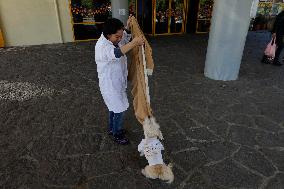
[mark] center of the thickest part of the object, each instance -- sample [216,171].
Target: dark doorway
[145,15]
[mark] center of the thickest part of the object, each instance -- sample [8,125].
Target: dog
[151,148]
[152,128]
[160,171]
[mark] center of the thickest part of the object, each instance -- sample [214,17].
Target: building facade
[33,22]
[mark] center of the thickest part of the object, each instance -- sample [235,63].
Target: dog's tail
[170,174]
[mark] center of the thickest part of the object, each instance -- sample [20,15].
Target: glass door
[88,17]
[145,15]
[169,16]
[162,16]
[204,16]
[177,16]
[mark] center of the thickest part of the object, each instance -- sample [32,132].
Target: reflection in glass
[203,26]
[90,10]
[204,15]
[88,17]
[162,12]
[176,20]
[205,9]
[87,31]
[169,16]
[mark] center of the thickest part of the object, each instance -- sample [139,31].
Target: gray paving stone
[62,172]
[255,160]
[199,181]
[219,128]
[266,124]
[277,182]
[121,179]
[270,140]
[191,159]
[200,134]
[243,135]
[276,156]
[218,151]
[240,119]
[21,173]
[53,120]
[229,174]
[81,144]
[103,163]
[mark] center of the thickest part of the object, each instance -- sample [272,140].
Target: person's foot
[123,131]
[264,60]
[121,139]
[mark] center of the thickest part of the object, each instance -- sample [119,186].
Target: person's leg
[117,129]
[110,122]
[277,55]
[117,123]
[282,46]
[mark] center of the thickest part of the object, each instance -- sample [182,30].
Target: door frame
[154,11]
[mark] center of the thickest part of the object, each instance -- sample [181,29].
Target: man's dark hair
[111,26]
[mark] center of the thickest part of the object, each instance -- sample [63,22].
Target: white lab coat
[112,73]
[151,148]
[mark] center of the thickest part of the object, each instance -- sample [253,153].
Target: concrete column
[119,9]
[253,9]
[229,28]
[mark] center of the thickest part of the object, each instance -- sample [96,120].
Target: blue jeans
[115,122]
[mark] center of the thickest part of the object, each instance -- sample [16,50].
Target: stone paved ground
[225,135]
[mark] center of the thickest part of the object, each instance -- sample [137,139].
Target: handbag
[271,48]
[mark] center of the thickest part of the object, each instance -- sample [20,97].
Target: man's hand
[139,41]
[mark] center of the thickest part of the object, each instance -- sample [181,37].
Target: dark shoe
[267,60]
[121,139]
[264,60]
[123,131]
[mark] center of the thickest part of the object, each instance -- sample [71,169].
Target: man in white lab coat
[111,62]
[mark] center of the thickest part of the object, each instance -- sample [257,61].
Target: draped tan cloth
[136,74]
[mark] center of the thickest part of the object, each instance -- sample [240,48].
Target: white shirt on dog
[151,148]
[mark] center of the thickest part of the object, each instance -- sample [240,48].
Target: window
[88,17]
[204,16]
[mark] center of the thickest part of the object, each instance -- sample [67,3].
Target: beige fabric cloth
[136,74]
